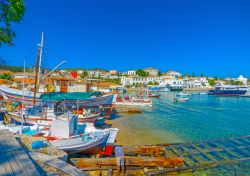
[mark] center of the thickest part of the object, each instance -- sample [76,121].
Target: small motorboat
[154,95]
[181,94]
[181,99]
[202,93]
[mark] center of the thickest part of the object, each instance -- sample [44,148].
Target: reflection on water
[203,117]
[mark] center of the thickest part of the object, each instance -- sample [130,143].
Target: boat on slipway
[10,94]
[52,106]
[81,99]
[68,135]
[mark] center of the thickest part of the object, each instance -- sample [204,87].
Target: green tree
[11,11]
[159,73]
[211,82]
[6,76]
[142,73]
[156,83]
[84,74]
[150,83]
[235,82]
[193,75]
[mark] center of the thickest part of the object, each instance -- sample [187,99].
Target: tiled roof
[150,68]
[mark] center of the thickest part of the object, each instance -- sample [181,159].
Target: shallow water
[203,117]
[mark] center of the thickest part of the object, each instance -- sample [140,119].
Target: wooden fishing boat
[17,95]
[73,137]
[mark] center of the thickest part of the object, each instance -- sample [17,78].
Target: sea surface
[203,117]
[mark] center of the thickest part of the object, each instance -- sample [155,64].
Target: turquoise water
[203,117]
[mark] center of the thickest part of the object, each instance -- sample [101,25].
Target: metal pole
[54,69]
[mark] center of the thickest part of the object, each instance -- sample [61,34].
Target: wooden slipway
[58,164]
[13,158]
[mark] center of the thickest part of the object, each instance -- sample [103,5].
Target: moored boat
[133,101]
[181,99]
[154,95]
[181,94]
[229,90]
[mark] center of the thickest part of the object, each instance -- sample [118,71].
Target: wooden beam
[95,163]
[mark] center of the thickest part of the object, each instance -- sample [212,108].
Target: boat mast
[40,58]
[21,130]
[38,62]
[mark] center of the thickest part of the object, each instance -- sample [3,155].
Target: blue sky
[209,36]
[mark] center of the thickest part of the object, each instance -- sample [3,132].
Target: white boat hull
[78,146]
[17,95]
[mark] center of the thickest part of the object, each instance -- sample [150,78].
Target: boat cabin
[64,126]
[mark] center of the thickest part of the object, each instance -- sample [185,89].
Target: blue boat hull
[227,92]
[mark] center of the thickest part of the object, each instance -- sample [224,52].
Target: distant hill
[11,68]
[75,69]
[19,68]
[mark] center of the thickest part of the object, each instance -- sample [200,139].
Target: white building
[173,74]
[195,82]
[105,74]
[133,80]
[172,81]
[94,73]
[151,71]
[242,79]
[131,72]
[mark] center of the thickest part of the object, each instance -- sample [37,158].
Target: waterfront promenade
[13,159]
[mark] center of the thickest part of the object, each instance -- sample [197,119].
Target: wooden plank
[27,163]
[4,144]
[110,172]
[5,168]
[14,157]
[194,168]
[58,164]
[200,151]
[227,151]
[15,164]
[8,142]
